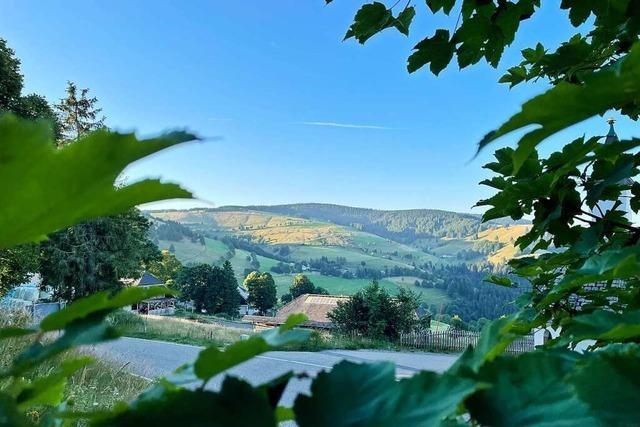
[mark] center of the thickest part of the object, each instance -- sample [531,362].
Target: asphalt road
[152,359]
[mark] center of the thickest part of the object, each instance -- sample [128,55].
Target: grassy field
[176,330]
[379,246]
[239,263]
[334,285]
[451,247]
[354,258]
[98,386]
[190,252]
[263,227]
[507,236]
[428,295]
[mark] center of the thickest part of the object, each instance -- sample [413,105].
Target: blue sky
[302,116]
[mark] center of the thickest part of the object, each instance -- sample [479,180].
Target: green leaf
[602,325]
[49,390]
[608,381]
[13,332]
[10,416]
[236,405]
[85,332]
[494,339]
[500,281]
[608,265]
[567,104]
[274,388]
[445,5]
[514,76]
[368,394]
[212,361]
[284,414]
[530,390]
[436,51]
[99,302]
[46,189]
[579,10]
[82,323]
[370,20]
[403,21]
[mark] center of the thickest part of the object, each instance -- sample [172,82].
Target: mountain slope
[441,255]
[402,225]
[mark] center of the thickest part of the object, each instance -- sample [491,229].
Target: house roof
[315,307]
[148,279]
[612,136]
[244,294]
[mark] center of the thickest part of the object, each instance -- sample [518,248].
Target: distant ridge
[405,225]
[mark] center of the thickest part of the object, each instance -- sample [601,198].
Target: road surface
[152,359]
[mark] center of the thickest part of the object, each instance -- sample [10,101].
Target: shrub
[374,313]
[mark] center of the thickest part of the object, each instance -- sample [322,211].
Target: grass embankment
[176,330]
[96,387]
[185,331]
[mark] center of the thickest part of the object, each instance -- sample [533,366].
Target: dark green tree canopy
[10,78]
[33,106]
[262,291]
[373,312]
[213,289]
[96,255]
[16,264]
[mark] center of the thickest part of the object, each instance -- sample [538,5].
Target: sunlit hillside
[262,227]
[507,236]
[441,256]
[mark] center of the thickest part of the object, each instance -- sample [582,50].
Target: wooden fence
[455,341]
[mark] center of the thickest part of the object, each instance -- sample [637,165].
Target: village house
[245,309]
[315,307]
[160,305]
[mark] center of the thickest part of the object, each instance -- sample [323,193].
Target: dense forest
[173,231]
[471,297]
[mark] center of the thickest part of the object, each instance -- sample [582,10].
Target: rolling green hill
[342,248]
[399,225]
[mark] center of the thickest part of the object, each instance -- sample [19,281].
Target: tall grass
[176,330]
[333,340]
[96,387]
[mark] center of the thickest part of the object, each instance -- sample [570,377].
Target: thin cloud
[219,119]
[344,125]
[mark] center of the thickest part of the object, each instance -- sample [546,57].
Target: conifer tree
[78,113]
[230,302]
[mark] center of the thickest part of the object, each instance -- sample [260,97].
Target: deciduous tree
[262,291]
[166,268]
[16,264]
[214,289]
[373,312]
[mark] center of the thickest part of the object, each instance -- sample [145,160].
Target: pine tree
[230,296]
[78,114]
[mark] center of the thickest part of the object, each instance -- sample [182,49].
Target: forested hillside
[443,256]
[405,225]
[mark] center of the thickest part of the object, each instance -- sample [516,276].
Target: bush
[374,313]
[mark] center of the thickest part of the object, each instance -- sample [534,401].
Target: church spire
[611,136]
